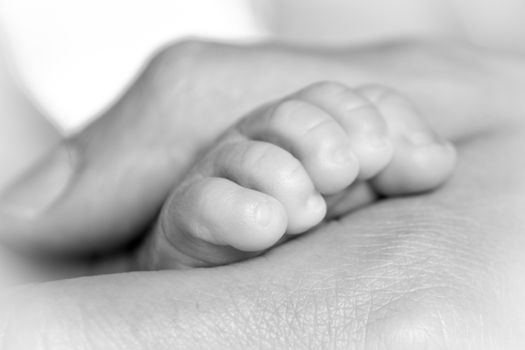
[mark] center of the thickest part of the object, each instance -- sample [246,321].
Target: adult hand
[435,271]
[25,136]
[439,271]
[189,93]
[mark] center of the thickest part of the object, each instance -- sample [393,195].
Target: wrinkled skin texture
[437,271]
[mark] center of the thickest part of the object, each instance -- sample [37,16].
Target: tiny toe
[416,168]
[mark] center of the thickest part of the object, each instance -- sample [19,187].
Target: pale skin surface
[496,24]
[450,278]
[281,168]
[25,136]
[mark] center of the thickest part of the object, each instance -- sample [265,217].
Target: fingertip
[313,212]
[260,223]
[417,168]
[221,212]
[335,169]
[214,221]
[363,125]
[421,160]
[374,156]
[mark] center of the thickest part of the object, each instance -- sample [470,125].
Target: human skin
[154,132]
[436,271]
[25,136]
[211,217]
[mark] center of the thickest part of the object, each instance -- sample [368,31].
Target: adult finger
[413,273]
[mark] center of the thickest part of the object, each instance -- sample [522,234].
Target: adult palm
[436,271]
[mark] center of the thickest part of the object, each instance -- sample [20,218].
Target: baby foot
[269,175]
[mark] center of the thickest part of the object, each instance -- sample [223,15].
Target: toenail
[342,155]
[263,214]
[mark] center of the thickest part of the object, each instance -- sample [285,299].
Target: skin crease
[447,279]
[160,152]
[176,227]
[436,271]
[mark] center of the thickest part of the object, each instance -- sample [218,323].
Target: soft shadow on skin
[357,197]
[441,270]
[436,271]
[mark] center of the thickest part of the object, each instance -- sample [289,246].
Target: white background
[76,56]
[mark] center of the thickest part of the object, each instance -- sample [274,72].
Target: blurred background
[76,56]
